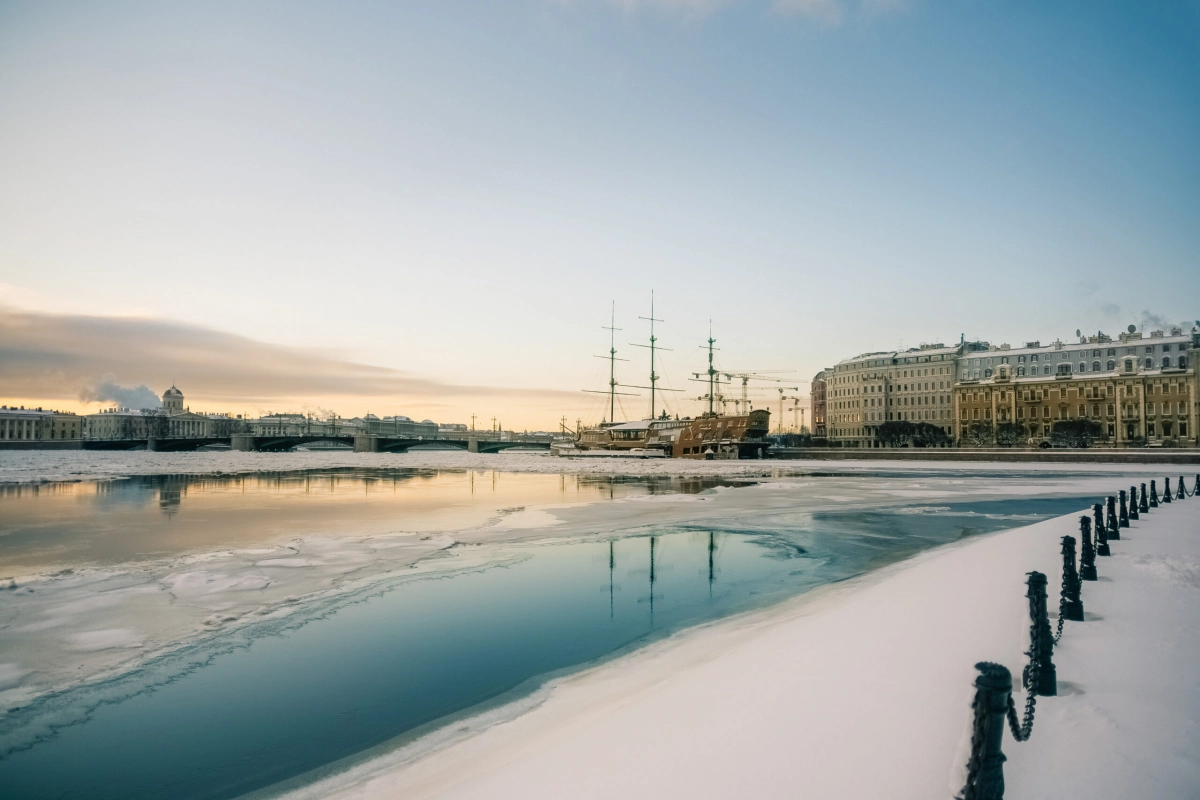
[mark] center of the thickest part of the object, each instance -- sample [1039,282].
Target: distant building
[37,424]
[817,401]
[173,420]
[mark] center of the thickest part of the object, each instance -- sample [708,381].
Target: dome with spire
[172,400]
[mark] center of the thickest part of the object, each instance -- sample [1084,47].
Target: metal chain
[1021,729]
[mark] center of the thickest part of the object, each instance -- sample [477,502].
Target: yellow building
[1139,389]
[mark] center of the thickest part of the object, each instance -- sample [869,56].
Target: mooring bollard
[1039,675]
[984,779]
[1101,536]
[1143,506]
[1166,490]
[1196,490]
[1133,512]
[1087,556]
[1182,493]
[1123,520]
[1070,606]
[1153,495]
[1114,529]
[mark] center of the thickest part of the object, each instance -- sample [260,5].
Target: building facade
[818,405]
[914,385]
[39,425]
[173,420]
[1140,390]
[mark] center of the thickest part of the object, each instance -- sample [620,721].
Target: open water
[280,699]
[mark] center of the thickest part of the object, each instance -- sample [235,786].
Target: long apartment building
[863,392]
[1140,388]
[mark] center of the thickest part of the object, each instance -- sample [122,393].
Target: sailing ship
[712,435]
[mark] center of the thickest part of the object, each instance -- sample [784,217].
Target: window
[1082,367]
[1063,369]
[1150,350]
[1129,365]
[1046,370]
[1182,365]
[1112,351]
[1095,354]
[1095,366]
[1166,362]
[1021,371]
[987,373]
[1033,357]
[1020,359]
[1111,365]
[1149,363]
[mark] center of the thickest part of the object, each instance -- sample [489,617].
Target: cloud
[51,356]
[107,389]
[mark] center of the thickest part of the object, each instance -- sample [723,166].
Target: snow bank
[860,690]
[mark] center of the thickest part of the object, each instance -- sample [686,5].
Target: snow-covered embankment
[862,690]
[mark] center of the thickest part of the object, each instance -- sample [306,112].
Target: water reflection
[162,515]
[371,666]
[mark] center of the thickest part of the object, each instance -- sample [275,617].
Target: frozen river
[206,636]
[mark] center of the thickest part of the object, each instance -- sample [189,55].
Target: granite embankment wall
[42,444]
[1145,455]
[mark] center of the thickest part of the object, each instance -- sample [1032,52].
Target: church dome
[172,392]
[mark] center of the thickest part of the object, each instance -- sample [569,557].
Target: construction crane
[797,414]
[783,389]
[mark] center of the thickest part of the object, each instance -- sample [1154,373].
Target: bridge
[481,442]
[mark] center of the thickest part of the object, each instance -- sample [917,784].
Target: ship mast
[711,372]
[612,365]
[654,376]
[714,379]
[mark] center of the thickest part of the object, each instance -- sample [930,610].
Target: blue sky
[458,191]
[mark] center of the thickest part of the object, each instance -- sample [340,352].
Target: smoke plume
[108,390]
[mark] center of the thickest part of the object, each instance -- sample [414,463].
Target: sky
[432,208]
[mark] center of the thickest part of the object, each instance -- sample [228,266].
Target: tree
[979,434]
[1009,434]
[926,434]
[897,433]
[1075,433]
